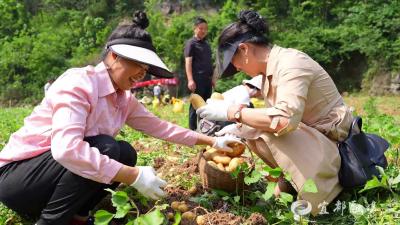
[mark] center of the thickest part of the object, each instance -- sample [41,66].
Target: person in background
[157,91]
[166,99]
[198,66]
[304,119]
[57,165]
[241,94]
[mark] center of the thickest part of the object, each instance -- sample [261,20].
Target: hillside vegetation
[39,39]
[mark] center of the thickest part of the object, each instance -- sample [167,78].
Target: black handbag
[361,153]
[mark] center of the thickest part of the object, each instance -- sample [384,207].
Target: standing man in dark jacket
[198,65]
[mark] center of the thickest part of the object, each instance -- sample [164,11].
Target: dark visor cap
[225,54]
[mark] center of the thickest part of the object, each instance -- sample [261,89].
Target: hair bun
[140,19]
[254,20]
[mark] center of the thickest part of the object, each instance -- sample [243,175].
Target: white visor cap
[145,56]
[255,81]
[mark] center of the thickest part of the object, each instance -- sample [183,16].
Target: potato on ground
[179,206]
[201,220]
[189,215]
[175,205]
[183,208]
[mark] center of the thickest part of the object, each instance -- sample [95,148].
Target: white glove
[215,110]
[238,95]
[221,143]
[229,129]
[243,131]
[148,184]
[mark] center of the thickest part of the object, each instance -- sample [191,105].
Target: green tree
[12,17]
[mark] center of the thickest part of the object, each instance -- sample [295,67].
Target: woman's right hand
[148,184]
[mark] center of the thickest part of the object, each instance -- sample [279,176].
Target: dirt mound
[222,218]
[256,219]
[158,162]
[174,171]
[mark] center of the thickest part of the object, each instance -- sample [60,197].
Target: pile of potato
[227,162]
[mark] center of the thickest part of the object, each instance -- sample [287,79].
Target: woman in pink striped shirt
[58,164]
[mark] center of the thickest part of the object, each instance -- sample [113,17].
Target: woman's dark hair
[199,20]
[135,30]
[251,26]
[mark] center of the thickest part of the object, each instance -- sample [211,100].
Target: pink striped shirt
[83,102]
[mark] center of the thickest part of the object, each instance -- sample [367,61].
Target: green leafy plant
[380,204]
[126,208]
[206,199]
[384,182]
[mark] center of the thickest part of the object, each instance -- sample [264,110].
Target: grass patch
[381,115]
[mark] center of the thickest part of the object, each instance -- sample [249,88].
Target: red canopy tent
[165,81]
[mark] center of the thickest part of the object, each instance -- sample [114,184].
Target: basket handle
[247,146]
[199,156]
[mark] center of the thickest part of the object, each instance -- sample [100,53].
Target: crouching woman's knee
[128,154]
[120,151]
[106,145]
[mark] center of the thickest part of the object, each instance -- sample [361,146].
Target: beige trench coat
[298,88]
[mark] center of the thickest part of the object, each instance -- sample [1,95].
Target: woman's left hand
[222,143]
[244,132]
[214,110]
[229,129]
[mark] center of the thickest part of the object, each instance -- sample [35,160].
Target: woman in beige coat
[305,116]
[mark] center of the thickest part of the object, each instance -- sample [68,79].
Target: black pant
[204,89]
[41,187]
